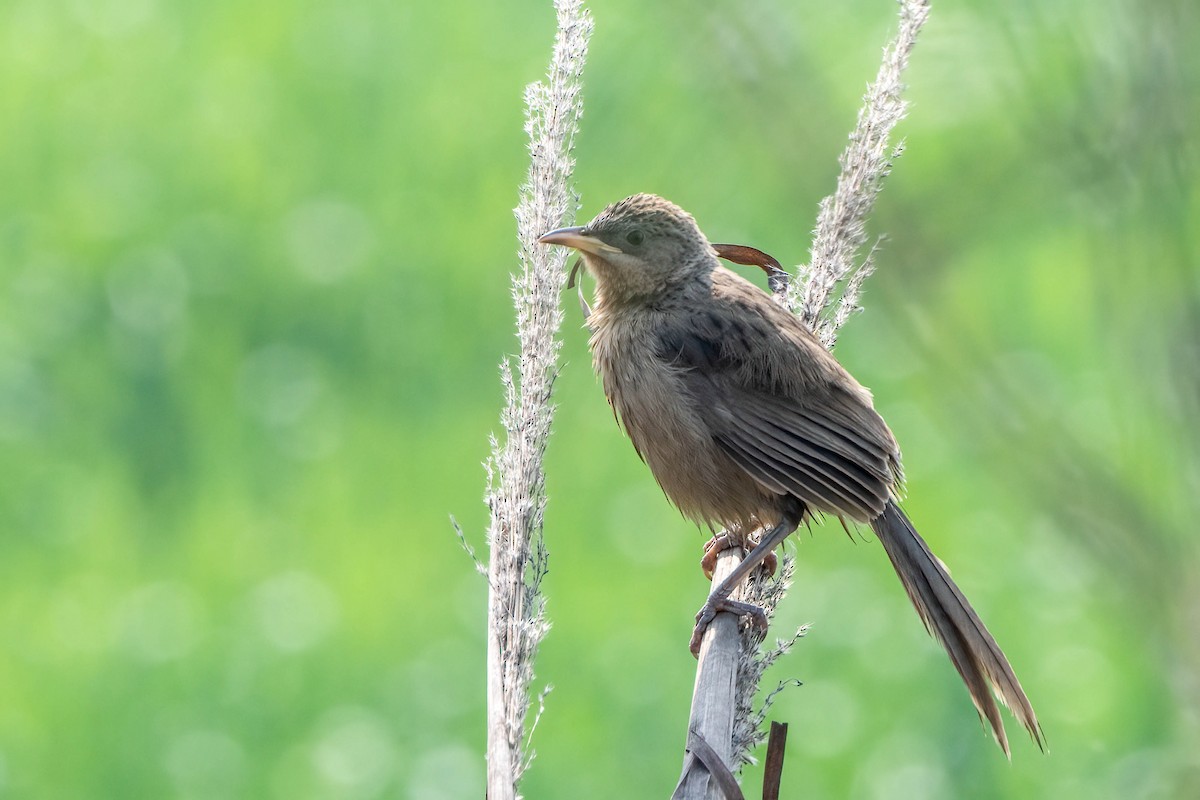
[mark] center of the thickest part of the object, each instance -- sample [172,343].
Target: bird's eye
[634,238]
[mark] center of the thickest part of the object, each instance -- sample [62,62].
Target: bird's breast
[647,394]
[663,421]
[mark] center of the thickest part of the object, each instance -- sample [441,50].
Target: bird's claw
[704,618]
[714,604]
[723,541]
[712,550]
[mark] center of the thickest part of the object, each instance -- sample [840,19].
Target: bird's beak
[575,237]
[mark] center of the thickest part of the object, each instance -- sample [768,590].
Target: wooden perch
[713,698]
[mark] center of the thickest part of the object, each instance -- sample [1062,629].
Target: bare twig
[516,481]
[773,769]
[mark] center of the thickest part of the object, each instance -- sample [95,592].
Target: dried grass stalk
[516,494]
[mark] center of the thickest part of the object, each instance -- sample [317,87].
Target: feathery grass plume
[841,224]
[837,242]
[516,481]
[748,725]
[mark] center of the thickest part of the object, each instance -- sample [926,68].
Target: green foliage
[254,287]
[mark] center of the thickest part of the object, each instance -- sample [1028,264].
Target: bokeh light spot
[205,763]
[295,610]
[445,773]
[280,383]
[148,291]
[355,753]
[328,239]
[159,622]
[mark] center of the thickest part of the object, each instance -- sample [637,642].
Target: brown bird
[747,421]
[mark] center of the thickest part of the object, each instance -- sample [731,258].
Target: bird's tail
[951,620]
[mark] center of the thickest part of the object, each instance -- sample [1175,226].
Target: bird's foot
[718,601]
[724,541]
[712,549]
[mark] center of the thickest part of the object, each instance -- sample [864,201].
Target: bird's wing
[816,438]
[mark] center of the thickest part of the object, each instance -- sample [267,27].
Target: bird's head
[640,247]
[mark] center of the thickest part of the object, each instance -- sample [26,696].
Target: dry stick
[713,696]
[773,768]
[837,243]
[516,480]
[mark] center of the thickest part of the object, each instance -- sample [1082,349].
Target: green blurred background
[254,286]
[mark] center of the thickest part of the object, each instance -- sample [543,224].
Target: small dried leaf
[777,277]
